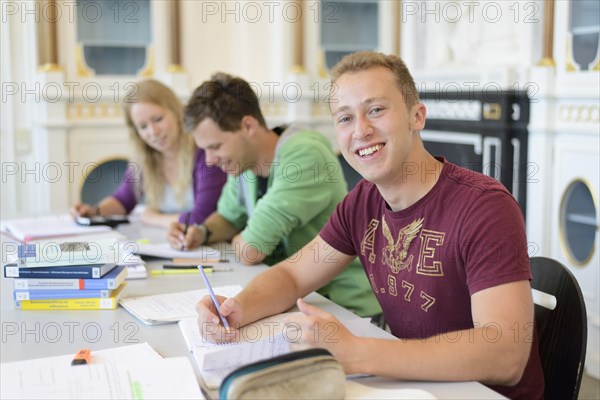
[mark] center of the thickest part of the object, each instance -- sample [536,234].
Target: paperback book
[43,294]
[96,303]
[109,281]
[71,252]
[94,271]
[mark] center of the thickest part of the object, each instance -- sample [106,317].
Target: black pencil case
[307,374]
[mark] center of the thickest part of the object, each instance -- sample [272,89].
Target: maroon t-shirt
[424,262]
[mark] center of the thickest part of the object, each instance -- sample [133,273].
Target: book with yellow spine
[97,303]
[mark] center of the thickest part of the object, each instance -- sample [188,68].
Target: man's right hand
[190,240]
[209,322]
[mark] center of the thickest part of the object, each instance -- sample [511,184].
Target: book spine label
[11,271]
[107,304]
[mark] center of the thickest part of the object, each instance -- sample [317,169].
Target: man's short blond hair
[364,60]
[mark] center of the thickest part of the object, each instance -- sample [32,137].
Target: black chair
[562,330]
[103,180]
[352,177]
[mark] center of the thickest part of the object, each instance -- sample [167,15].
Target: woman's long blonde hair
[151,160]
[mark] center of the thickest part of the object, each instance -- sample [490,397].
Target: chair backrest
[352,177]
[103,180]
[562,331]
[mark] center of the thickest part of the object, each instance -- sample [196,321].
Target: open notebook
[267,338]
[271,337]
[261,340]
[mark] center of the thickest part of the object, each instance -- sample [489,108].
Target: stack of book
[76,275]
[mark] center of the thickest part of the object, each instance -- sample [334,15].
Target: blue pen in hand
[213,297]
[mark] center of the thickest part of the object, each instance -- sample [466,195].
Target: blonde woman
[168,171]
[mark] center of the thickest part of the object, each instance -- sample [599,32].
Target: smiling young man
[444,248]
[283,184]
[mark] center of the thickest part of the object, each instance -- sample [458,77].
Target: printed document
[130,372]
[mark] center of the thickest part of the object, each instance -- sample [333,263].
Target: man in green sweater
[283,185]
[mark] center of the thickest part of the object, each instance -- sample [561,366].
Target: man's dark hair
[225,99]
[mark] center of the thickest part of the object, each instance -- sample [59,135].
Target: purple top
[207,183]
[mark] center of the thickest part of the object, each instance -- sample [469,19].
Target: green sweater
[305,185]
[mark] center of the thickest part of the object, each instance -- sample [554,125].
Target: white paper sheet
[171,307]
[358,391]
[164,250]
[27,229]
[120,373]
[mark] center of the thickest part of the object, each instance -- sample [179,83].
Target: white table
[35,334]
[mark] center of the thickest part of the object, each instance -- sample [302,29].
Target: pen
[187,224]
[213,297]
[198,260]
[186,266]
[177,271]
